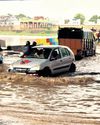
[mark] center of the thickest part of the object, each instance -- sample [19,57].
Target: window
[55,54]
[40,53]
[70,33]
[65,52]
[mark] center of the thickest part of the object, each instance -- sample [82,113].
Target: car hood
[28,62]
[10,59]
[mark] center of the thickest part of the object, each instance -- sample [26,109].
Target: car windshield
[40,53]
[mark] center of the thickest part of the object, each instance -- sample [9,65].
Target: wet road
[89,67]
[23,104]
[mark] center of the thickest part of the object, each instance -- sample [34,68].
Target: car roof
[11,51]
[49,46]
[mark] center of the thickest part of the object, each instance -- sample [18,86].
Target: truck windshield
[70,33]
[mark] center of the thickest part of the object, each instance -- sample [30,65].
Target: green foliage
[20,16]
[80,16]
[94,18]
[66,21]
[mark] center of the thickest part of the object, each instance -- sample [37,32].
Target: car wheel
[46,72]
[72,68]
[1,62]
[94,52]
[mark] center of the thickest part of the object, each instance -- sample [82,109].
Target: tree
[94,18]
[21,16]
[66,21]
[10,14]
[80,16]
[98,17]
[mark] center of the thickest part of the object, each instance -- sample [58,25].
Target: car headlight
[35,67]
[10,68]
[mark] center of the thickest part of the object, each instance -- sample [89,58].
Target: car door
[55,61]
[66,58]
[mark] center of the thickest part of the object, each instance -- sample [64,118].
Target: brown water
[19,102]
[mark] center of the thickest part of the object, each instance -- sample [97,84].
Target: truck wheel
[94,52]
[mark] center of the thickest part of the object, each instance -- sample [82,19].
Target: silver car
[46,60]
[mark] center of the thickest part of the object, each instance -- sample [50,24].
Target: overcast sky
[58,9]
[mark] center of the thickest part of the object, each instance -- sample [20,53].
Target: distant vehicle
[81,41]
[46,60]
[10,56]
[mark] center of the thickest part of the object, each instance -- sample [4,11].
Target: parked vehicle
[46,60]
[81,41]
[10,56]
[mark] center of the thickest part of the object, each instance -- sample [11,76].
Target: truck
[81,41]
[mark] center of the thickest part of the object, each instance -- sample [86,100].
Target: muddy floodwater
[46,102]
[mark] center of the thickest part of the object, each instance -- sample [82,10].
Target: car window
[65,52]
[55,54]
[40,53]
[47,52]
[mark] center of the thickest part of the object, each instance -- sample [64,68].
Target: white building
[74,22]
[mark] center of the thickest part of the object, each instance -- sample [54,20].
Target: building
[9,22]
[37,23]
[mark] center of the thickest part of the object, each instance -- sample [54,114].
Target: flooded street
[40,102]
